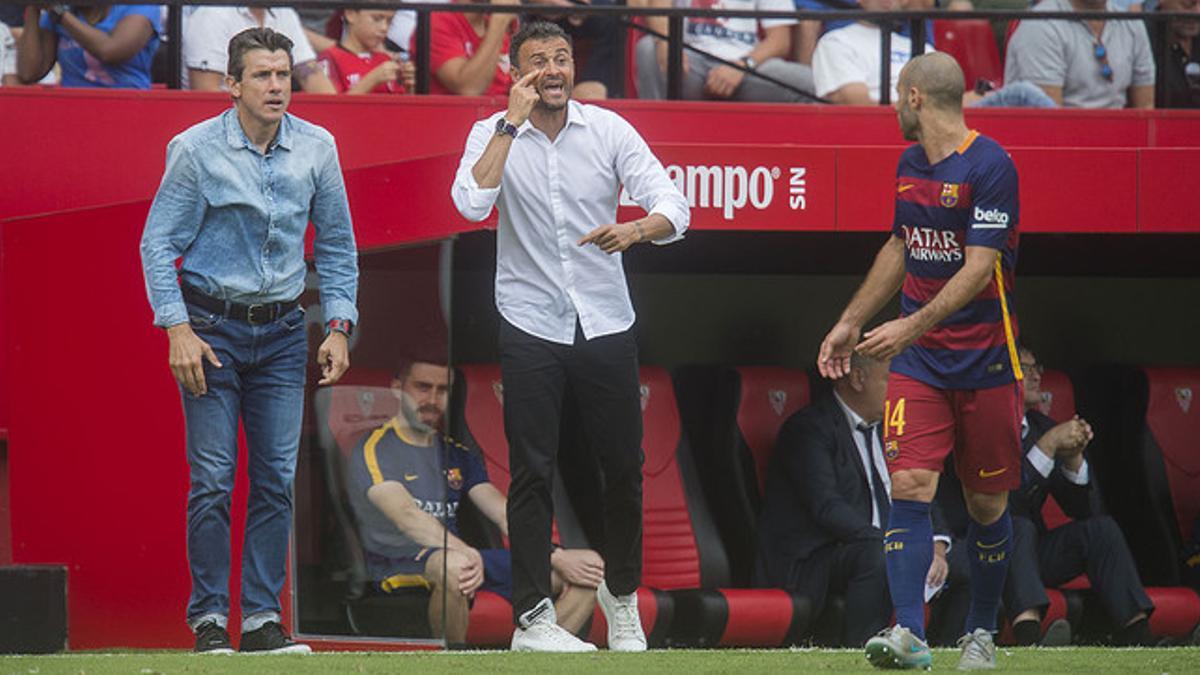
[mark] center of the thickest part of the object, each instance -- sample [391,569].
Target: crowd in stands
[1046,63]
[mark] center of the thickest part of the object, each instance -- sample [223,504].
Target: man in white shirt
[846,63]
[1090,544]
[553,168]
[207,32]
[732,39]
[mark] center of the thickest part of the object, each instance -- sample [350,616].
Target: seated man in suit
[1054,464]
[407,479]
[827,496]
[1092,543]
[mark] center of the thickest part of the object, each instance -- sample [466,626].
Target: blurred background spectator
[8,58]
[206,35]
[468,52]
[108,46]
[359,64]
[596,41]
[846,62]
[1083,64]
[731,39]
[1180,71]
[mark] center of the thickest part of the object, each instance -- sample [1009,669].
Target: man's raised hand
[522,97]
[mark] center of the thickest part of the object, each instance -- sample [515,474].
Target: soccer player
[955,381]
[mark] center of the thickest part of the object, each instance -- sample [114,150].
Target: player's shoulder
[987,155]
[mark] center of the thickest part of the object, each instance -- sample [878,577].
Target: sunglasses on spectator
[1101,55]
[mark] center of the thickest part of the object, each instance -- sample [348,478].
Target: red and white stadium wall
[96,475]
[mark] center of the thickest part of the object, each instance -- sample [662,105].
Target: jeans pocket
[202,319]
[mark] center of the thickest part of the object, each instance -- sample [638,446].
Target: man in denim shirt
[235,202]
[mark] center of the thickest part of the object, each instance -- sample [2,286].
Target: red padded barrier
[1169,196]
[670,558]
[758,617]
[490,621]
[1176,611]
[1173,417]
[973,44]
[769,397]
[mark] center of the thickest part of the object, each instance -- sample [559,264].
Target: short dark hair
[405,363]
[254,38]
[536,30]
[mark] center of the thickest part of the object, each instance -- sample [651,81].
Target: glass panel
[372,448]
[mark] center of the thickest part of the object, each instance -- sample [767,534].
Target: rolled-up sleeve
[171,226]
[647,182]
[473,202]
[334,249]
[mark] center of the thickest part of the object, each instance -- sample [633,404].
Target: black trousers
[602,375]
[856,569]
[1094,546]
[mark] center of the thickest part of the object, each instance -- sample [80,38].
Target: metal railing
[675,33]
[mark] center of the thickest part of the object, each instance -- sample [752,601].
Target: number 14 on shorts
[893,418]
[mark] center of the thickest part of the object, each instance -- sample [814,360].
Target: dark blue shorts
[409,572]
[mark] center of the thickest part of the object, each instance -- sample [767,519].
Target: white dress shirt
[552,193]
[1045,465]
[868,457]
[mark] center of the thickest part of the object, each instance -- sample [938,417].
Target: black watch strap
[503,126]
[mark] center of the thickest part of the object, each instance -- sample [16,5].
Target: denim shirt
[238,218]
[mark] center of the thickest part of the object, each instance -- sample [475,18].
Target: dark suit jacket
[817,491]
[1077,501]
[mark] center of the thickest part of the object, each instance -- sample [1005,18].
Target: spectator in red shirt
[468,53]
[358,64]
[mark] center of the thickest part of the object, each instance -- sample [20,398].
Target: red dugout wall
[96,470]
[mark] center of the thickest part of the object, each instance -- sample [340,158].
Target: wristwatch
[57,10]
[750,63]
[343,326]
[503,126]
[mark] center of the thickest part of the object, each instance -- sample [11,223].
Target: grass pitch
[692,662]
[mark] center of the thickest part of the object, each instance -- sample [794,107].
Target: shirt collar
[236,136]
[854,418]
[575,115]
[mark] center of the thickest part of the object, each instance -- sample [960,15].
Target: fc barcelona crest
[949,195]
[454,478]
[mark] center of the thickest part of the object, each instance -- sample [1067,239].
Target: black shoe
[1058,634]
[271,639]
[212,639]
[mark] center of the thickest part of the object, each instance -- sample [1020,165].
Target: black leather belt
[256,314]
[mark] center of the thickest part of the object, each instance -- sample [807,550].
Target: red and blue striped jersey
[967,199]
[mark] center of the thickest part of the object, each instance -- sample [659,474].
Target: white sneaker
[625,632]
[539,632]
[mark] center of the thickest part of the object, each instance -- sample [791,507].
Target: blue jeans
[1016,95]
[262,381]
